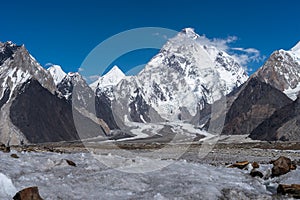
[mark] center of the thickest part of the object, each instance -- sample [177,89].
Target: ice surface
[93,180]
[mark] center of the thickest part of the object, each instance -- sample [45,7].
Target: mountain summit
[57,73]
[183,76]
[282,71]
[111,78]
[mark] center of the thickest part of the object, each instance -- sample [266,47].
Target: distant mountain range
[181,83]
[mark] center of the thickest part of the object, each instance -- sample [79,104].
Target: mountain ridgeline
[184,81]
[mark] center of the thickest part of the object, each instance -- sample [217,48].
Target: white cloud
[245,56]
[93,78]
[222,44]
[49,64]
[80,69]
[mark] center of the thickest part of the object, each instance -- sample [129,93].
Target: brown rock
[240,165]
[281,166]
[293,190]
[31,193]
[14,155]
[255,165]
[71,163]
[255,173]
[294,165]
[5,149]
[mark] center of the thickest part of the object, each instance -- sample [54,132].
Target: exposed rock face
[255,102]
[129,102]
[7,50]
[283,125]
[74,88]
[282,71]
[43,117]
[31,193]
[17,66]
[104,111]
[139,109]
[5,97]
[246,107]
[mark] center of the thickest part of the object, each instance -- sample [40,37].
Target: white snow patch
[111,78]
[7,189]
[57,73]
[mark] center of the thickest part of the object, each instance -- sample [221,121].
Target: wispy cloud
[245,56]
[80,69]
[49,64]
[92,78]
[219,43]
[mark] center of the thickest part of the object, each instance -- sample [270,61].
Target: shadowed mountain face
[284,124]
[43,117]
[247,107]
[7,51]
[74,88]
[5,97]
[254,103]
[104,110]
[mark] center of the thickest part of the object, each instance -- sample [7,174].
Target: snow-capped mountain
[14,62]
[296,50]
[106,83]
[17,67]
[186,73]
[111,78]
[33,109]
[57,73]
[282,71]
[75,89]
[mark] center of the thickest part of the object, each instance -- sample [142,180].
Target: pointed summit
[189,32]
[57,73]
[115,71]
[111,78]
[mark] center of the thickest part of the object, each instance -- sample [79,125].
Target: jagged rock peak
[57,73]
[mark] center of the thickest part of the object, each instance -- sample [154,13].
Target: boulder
[240,165]
[71,163]
[255,165]
[14,155]
[5,149]
[293,190]
[282,166]
[31,193]
[256,173]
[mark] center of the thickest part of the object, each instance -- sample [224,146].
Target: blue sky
[64,32]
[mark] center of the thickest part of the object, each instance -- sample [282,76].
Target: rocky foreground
[228,171]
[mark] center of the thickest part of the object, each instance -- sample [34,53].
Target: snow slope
[111,78]
[57,73]
[186,73]
[282,70]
